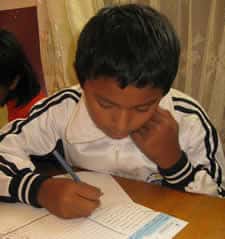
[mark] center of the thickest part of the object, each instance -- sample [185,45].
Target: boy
[124,121]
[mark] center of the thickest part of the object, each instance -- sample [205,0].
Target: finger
[151,123]
[85,207]
[154,121]
[164,112]
[164,117]
[88,191]
[139,135]
[160,116]
[143,131]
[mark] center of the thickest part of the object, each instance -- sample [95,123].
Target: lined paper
[118,217]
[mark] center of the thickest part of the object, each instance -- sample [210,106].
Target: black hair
[15,64]
[133,43]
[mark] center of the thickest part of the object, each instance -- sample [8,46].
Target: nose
[121,121]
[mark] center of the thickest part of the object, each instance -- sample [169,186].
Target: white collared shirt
[89,148]
[64,118]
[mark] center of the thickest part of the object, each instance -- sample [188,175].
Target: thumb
[88,191]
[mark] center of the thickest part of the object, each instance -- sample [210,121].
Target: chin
[117,136]
[113,135]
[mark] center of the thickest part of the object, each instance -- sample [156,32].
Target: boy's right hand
[68,199]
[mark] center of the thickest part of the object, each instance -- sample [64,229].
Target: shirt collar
[82,129]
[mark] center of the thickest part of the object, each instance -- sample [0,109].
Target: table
[205,214]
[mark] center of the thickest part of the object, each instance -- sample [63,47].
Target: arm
[187,168]
[37,135]
[201,168]
[19,140]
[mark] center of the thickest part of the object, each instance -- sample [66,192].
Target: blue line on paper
[151,227]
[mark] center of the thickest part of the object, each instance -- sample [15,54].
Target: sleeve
[35,135]
[201,168]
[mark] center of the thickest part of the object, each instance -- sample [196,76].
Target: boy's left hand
[158,139]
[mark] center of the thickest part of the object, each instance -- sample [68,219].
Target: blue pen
[66,166]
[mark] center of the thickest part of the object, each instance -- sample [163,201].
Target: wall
[12,4]
[13,16]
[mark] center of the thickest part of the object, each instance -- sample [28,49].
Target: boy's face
[118,112]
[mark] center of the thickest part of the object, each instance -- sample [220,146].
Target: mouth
[118,136]
[114,134]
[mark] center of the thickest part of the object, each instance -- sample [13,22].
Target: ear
[14,83]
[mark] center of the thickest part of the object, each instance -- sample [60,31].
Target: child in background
[124,119]
[19,87]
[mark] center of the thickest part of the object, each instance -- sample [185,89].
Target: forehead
[108,88]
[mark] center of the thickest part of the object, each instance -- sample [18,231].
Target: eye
[147,107]
[105,105]
[144,108]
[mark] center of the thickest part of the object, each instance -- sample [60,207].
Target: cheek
[101,119]
[98,115]
[139,119]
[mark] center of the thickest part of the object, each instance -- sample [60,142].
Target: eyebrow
[136,106]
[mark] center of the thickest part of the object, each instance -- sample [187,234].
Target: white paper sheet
[16,215]
[117,218]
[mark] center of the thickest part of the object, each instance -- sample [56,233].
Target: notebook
[118,217]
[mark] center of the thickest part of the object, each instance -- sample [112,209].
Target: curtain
[56,44]
[200,25]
